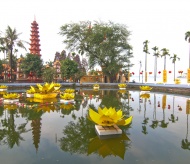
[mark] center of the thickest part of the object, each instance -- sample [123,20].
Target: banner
[164,76]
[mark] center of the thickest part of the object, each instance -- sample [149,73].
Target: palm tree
[174,58]
[145,49]
[10,40]
[165,52]
[187,38]
[156,55]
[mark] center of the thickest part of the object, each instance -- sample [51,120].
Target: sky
[162,22]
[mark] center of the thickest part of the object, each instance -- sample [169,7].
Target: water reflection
[156,116]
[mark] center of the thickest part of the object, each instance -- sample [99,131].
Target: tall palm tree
[174,58]
[156,55]
[165,52]
[145,49]
[187,38]
[10,40]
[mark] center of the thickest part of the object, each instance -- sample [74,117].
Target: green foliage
[32,63]
[48,74]
[69,68]
[105,44]
[1,66]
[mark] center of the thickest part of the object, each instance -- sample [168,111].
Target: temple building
[34,40]
[34,49]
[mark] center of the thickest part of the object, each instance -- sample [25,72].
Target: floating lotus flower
[108,117]
[3,92]
[3,87]
[46,91]
[96,86]
[145,95]
[67,97]
[11,98]
[69,91]
[145,88]
[122,86]
[49,100]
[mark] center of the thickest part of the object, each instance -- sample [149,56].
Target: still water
[50,132]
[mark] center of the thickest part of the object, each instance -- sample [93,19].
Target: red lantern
[150,73]
[133,73]
[170,71]
[159,72]
[141,73]
[168,106]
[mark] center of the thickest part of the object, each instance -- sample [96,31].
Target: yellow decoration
[188,107]
[188,75]
[164,76]
[108,117]
[122,85]
[145,88]
[3,87]
[122,91]
[69,91]
[11,96]
[145,95]
[177,81]
[67,96]
[32,90]
[164,102]
[45,96]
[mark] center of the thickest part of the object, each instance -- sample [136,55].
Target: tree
[10,40]
[156,55]
[32,63]
[165,52]
[48,74]
[1,66]
[145,49]
[69,68]
[187,38]
[174,58]
[105,44]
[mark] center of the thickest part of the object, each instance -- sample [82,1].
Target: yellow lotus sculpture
[69,90]
[108,117]
[67,96]
[32,90]
[145,88]
[10,106]
[46,91]
[3,87]
[122,85]
[11,96]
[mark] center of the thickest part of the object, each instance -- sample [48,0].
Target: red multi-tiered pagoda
[35,41]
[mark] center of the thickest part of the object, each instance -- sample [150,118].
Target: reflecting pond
[49,132]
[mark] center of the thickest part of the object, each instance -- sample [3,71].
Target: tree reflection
[185,143]
[163,123]
[155,122]
[11,133]
[84,130]
[145,121]
[173,119]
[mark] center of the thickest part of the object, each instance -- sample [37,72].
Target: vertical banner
[163,102]
[145,77]
[188,107]
[164,76]
[188,75]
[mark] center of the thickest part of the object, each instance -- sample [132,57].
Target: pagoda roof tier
[34,44]
[34,41]
[34,49]
[35,38]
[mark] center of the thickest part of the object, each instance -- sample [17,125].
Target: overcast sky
[162,22]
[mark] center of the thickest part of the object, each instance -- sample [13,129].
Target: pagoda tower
[35,41]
